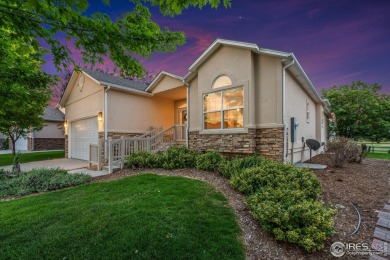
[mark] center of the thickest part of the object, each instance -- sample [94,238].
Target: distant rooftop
[53,114]
[110,79]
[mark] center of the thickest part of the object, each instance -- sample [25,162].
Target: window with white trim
[222,81]
[224,109]
[307,111]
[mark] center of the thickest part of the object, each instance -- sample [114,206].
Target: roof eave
[126,89]
[66,93]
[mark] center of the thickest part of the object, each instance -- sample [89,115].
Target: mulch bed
[366,185]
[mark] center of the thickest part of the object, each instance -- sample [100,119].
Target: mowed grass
[383,156]
[7,159]
[139,217]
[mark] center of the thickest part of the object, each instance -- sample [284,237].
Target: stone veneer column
[269,143]
[66,146]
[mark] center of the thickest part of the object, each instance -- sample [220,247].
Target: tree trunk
[13,146]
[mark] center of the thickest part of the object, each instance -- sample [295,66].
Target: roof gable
[296,69]
[163,75]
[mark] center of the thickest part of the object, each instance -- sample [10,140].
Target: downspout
[284,109]
[188,112]
[105,121]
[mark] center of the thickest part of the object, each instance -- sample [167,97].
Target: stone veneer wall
[267,142]
[66,146]
[48,144]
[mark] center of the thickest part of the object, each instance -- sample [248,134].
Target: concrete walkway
[71,165]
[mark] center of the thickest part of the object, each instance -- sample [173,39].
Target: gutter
[284,108]
[131,90]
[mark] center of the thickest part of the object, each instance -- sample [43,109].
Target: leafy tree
[360,111]
[24,90]
[131,36]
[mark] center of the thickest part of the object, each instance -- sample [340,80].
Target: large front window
[224,109]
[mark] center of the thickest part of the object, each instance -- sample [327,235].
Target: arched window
[222,81]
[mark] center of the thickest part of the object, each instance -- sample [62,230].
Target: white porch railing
[118,150]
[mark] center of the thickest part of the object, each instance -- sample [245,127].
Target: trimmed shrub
[341,150]
[178,157]
[290,218]
[285,201]
[40,180]
[209,161]
[143,159]
[229,168]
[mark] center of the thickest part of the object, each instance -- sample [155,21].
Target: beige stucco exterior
[132,113]
[261,75]
[85,102]
[124,112]
[296,106]
[260,72]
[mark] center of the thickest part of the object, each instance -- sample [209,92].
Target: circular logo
[337,249]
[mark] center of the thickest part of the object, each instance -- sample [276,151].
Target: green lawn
[139,217]
[383,156]
[7,159]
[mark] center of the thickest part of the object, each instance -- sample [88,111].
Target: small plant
[341,150]
[143,159]
[178,157]
[209,161]
[40,180]
[285,201]
[229,168]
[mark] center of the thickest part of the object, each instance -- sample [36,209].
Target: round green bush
[178,157]
[285,200]
[209,161]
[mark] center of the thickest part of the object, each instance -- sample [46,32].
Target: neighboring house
[240,100]
[2,139]
[51,137]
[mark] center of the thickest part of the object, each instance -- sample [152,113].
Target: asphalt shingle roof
[53,114]
[107,78]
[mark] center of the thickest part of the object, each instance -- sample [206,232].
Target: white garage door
[83,133]
[21,144]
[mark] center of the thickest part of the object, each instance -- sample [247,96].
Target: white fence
[120,149]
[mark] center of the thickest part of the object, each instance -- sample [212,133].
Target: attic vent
[222,81]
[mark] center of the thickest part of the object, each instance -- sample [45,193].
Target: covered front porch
[114,150]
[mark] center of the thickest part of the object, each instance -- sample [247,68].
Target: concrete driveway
[71,165]
[63,163]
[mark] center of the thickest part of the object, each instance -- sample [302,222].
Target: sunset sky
[336,41]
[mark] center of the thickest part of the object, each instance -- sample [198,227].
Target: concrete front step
[114,169]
